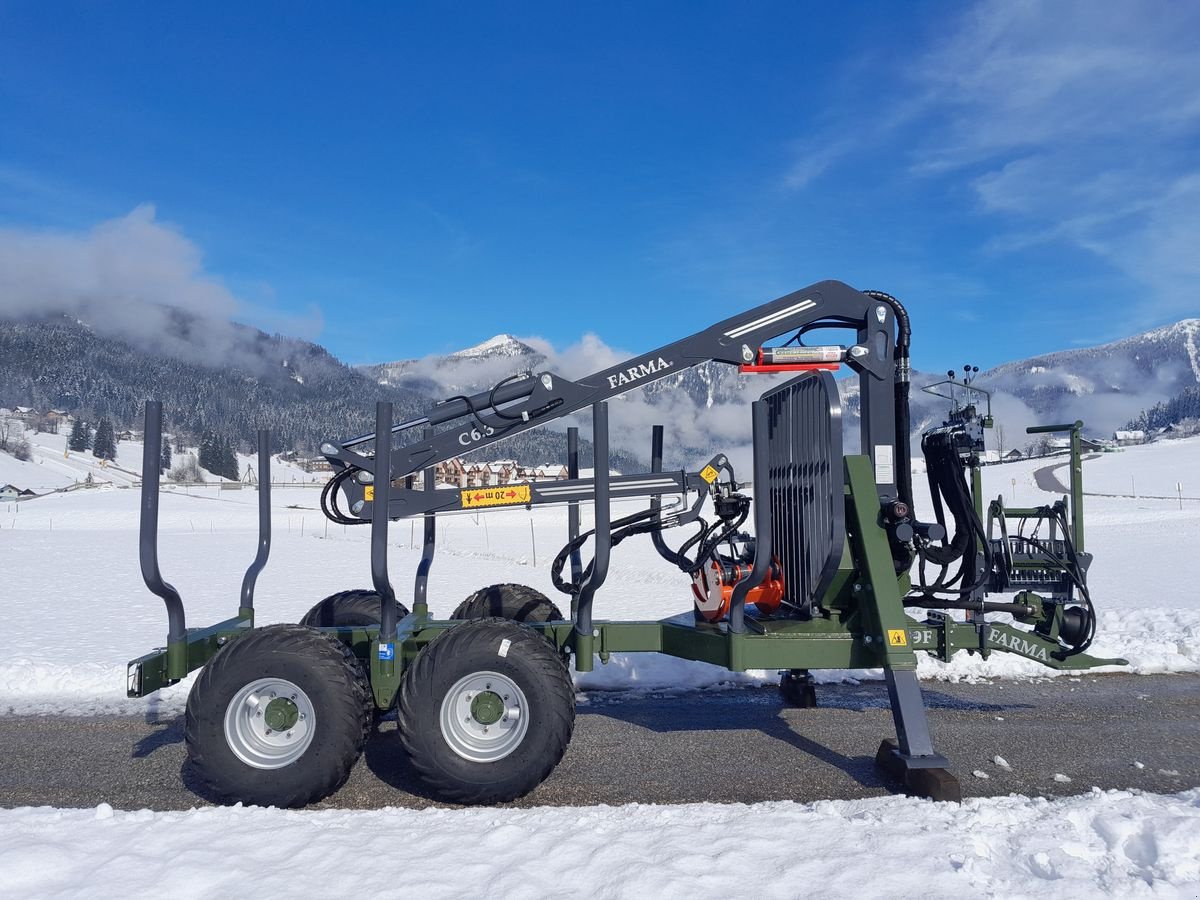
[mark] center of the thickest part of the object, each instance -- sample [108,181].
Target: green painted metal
[867,624]
[487,708]
[882,604]
[281,714]
[167,665]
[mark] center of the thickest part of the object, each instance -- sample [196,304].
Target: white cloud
[128,277]
[1070,122]
[1076,122]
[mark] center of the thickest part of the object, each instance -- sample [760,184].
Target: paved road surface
[724,746]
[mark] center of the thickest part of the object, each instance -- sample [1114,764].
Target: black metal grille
[805,486]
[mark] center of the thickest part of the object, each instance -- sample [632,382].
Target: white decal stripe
[767,320]
[623,486]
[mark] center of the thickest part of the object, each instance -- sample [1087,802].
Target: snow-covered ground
[1103,844]
[76,610]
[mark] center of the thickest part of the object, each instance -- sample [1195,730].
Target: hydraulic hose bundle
[949,491]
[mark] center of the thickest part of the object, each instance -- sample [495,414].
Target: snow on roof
[1129,435]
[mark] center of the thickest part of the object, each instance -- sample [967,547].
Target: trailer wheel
[278,717]
[486,712]
[360,607]
[515,602]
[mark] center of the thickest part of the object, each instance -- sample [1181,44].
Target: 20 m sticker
[502,496]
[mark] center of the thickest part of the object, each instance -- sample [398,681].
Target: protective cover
[805,486]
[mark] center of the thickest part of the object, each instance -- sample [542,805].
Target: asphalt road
[738,745]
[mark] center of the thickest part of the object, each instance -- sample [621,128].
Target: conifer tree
[104,444]
[80,438]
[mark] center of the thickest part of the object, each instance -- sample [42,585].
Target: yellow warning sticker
[497,496]
[709,474]
[369,493]
[897,637]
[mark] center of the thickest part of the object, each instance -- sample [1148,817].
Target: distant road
[738,745]
[1047,480]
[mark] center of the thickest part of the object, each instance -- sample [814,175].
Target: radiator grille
[805,485]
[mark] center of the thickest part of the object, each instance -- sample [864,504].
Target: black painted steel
[760,411]
[602,515]
[573,510]
[148,536]
[804,485]
[532,401]
[379,524]
[428,547]
[264,520]
[656,454]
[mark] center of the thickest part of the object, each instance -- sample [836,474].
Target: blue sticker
[387,651]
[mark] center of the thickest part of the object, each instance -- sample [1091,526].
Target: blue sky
[393,180]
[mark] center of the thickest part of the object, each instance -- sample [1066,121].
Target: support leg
[798,689]
[910,758]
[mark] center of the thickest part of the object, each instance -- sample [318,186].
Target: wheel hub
[484,717]
[269,723]
[281,714]
[487,707]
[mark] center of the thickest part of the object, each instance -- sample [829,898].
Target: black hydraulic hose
[1016,609]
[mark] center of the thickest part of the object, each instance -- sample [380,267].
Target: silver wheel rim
[469,729]
[269,723]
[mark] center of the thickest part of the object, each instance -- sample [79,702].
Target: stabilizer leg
[910,759]
[798,689]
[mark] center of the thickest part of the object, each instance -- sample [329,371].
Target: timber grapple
[818,562]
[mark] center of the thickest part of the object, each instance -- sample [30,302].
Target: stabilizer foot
[921,776]
[798,689]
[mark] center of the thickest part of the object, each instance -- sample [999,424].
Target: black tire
[361,607]
[495,647]
[515,602]
[332,684]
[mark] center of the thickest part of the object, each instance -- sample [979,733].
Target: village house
[10,492]
[1128,438]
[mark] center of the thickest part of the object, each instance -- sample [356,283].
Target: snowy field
[73,623]
[75,611]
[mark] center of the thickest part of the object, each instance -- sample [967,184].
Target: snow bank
[1106,843]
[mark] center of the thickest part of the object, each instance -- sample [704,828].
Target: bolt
[272,695]
[506,696]
[293,696]
[268,731]
[485,729]
[260,713]
[505,719]
[487,687]
[547,382]
[857,588]
[467,719]
[289,734]
[303,715]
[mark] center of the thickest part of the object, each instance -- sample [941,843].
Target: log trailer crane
[485,703]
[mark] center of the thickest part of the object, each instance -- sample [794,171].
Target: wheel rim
[269,723]
[484,717]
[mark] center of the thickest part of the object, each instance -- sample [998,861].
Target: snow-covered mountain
[465,370]
[1106,386]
